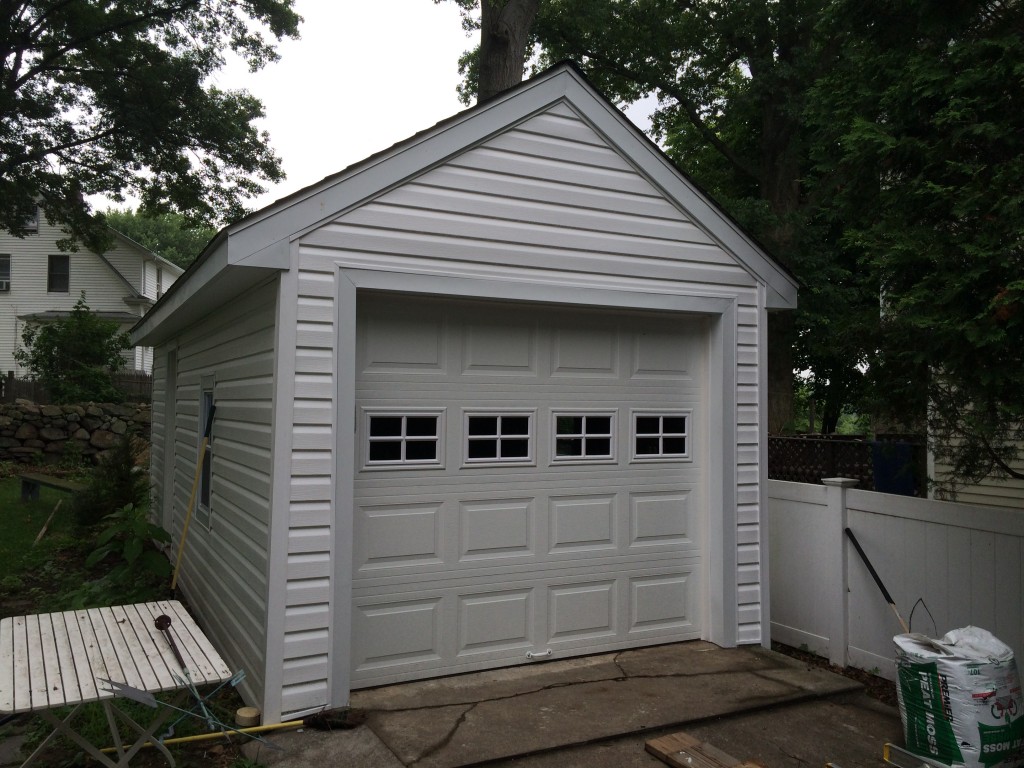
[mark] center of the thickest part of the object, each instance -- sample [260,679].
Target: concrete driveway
[596,711]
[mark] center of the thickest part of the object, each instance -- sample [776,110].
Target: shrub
[116,481]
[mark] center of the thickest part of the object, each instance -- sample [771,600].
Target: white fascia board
[210,266]
[659,170]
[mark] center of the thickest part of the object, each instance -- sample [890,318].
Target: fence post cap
[839,482]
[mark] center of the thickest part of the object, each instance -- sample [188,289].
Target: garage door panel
[471,624]
[495,622]
[399,535]
[662,603]
[660,518]
[397,634]
[586,522]
[496,529]
[495,349]
[577,548]
[444,534]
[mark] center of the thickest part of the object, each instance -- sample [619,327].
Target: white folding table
[61,659]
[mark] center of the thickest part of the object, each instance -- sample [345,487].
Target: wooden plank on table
[681,750]
[126,621]
[7,684]
[51,662]
[118,647]
[155,648]
[36,669]
[207,665]
[68,655]
[97,660]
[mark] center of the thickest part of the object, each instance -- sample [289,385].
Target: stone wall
[34,434]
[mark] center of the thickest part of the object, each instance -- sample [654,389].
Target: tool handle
[878,580]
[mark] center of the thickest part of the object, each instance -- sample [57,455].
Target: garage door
[528,484]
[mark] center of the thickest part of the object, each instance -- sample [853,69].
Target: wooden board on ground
[680,750]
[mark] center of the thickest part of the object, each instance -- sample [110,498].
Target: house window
[403,439]
[204,508]
[58,275]
[661,435]
[32,222]
[5,272]
[502,437]
[584,436]
[159,282]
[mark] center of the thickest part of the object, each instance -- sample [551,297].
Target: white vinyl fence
[963,562]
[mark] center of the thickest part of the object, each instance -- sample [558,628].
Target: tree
[732,80]
[111,97]
[75,357]
[168,234]
[922,136]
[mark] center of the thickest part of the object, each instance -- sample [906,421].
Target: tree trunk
[504,31]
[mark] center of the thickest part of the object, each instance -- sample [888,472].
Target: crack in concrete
[623,677]
[445,740]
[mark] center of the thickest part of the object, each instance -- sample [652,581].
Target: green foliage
[117,481]
[74,357]
[922,126]
[170,235]
[113,97]
[135,569]
[877,150]
[22,522]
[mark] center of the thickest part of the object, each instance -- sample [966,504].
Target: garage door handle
[538,655]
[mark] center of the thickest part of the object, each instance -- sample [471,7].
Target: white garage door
[528,484]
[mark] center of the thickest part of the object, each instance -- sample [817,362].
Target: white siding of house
[224,568]
[105,290]
[1006,492]
[547,203]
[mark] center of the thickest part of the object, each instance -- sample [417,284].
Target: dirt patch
[876,687]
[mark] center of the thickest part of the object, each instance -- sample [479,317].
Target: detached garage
[490,397]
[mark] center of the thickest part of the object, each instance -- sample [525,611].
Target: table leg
[144,734]
[63,727]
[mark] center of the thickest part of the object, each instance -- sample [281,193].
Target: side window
[204,507]
[584,436]
[58,274]
[403,439]
[498,437]
[661,435]
[5,272]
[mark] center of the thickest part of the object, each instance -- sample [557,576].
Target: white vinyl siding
[234,346]
[106,282]
[497,212]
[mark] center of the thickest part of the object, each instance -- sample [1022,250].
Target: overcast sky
[363,76]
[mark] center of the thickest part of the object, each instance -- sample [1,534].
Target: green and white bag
[960,699]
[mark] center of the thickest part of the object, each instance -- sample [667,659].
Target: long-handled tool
[192,496]
[878,580]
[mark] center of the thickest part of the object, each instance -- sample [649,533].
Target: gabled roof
[263,239]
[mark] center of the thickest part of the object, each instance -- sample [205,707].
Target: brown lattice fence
[893,467]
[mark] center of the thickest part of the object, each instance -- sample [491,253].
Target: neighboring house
[992,491]
[493,395]
[40,283]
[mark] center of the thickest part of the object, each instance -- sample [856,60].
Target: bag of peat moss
[960,699]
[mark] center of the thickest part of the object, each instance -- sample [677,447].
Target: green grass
[23,520]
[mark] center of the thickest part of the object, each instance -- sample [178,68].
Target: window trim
[50,272]
[204,510]
[5,274]
[365,440]
[529,460]
[612,435]
[645,458]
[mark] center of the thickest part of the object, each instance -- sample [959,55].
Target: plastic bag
[960,699]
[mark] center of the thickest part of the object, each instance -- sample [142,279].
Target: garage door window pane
[402,440]
[499,437]
[660,436]
[583,436]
